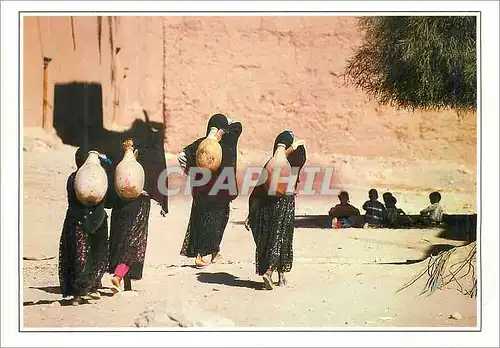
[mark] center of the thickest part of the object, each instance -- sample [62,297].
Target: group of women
[86,254]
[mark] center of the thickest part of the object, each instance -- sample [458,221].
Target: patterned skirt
[129,235]
[83,256]
[272,228]
[205,230]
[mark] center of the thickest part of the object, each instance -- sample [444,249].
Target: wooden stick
[46,62]
[73,33]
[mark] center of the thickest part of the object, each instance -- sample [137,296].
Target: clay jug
[91,181]
[278,167]
[129,174]
[209,153]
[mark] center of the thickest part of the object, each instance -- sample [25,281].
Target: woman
[129,220]
[210,213]
[83,247]
[271,219]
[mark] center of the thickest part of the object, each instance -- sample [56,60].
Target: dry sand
[340,278]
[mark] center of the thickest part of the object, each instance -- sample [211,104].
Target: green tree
[417,62]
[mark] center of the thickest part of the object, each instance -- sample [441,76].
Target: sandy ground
[340,278]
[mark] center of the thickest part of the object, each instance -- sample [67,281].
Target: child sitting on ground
[433,214]
[394,217]
[375,211]
[344,212]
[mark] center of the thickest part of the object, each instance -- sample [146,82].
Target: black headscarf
[219,121]
[286,138]
[297,158]
[81,156]
[151,155]
[229,142]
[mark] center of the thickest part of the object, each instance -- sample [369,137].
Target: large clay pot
[278,167]
[209,153]
[129,175]
[91,181]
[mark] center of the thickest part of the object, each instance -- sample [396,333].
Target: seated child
[344,212]
[394,217]
[375,211]
[433,214]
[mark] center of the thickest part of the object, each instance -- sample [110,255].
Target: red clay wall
[269,72]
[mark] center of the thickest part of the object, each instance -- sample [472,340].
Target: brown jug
[91,181]
[209,153]
[278,167]
[129,174]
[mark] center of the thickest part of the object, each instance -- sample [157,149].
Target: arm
[289,151]
[331,213]
[297,160]
[187,157]
[295,145]
[427,210]
[254,202]
[232,134]
[182,159]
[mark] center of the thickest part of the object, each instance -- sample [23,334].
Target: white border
[488,219]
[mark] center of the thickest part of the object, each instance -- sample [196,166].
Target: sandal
[268,282]
[200,265]
[95,295]
[115,287]
[216,259]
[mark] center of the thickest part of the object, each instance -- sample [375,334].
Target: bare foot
[115,281]
[200,263]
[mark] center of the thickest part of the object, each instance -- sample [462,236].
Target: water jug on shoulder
[129,174]
[278,171]
[91,181]
[209,153]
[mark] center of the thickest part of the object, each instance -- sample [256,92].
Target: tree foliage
[417,62]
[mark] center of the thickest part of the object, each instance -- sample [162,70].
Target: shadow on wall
[78,121]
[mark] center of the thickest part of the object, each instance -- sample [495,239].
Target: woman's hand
[220,133]
[298,143]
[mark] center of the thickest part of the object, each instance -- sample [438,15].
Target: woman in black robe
[271,218]
[129,219]
[83,247]
[210,213]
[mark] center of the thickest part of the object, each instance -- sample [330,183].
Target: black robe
[210,213]
[83,247]
[272,218]
[129,219]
